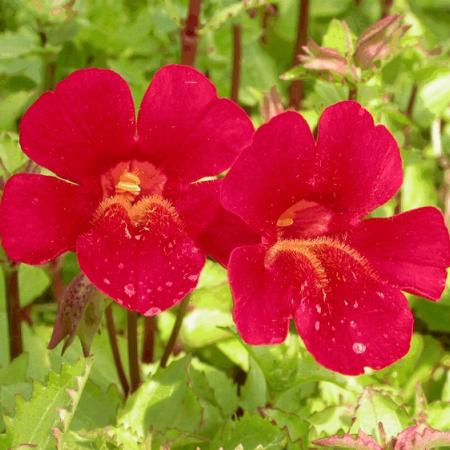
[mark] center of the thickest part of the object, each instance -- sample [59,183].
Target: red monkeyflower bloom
[338,276]
[132,207]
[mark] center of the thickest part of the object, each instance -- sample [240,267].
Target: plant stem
[14,314]
[175,331]
[115,350]
[296,90]
[133,359]
[352,92]
[385,6]
[149,340]
[236,73]
[189,36]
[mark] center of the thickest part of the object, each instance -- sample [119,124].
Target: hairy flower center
[313,255]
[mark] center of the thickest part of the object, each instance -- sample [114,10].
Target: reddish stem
[148,348]
[385,6]
[236,74]
[296,90]
[175,331]
[133,359]
[189,36]
[115,350]
[57,282]
[14,313]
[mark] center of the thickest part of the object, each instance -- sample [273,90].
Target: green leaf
[163,401]
[251,432]
[33,282]
[436,94]
[377,407]
[254,391]
[42,420]
[339,37]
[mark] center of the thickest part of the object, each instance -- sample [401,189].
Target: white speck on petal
[317,325]
[106,281]
[318,309]
[352,324]
[380,294]
[152,311]
[193,277]
[129,290]
[355,305]
[169,283]
[359,348]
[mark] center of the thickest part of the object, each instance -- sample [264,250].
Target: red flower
[338,276]
[133,208]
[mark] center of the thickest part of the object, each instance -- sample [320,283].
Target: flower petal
[355,320]
[140,257]
[85,126]
[41,217]
[410,250]
[225,233]
[215,230]
[186,129]
[261,305]
[358,163]
[272,174]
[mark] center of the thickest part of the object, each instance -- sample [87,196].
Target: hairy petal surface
[83,127]
[140,256]
[41,217]
[358,164]
[272,174]
[354,320]
[410,250]
[186,129]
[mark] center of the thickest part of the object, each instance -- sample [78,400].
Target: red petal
[41,217]
[224,234]
[216,230]
[145,263]
[261,305]
[184,127]
[354,320]
[85,126]
[359,163]
[410,250]
[272,174]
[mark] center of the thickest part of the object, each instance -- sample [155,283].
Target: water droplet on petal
[359,348]
[355,305]
[319,308]
[317,325]
[129,290]
[352,324]
[193,277]
[106,281]
[121,266]
[380,294]
[169,283]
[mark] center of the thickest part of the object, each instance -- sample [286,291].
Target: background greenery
[218,392]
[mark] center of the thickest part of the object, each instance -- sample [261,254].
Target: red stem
[236,74]
[385,6]
[115,350]
[189,36]
[14,314]
[175,331]
[296,90]
[148,348]
[133,359]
